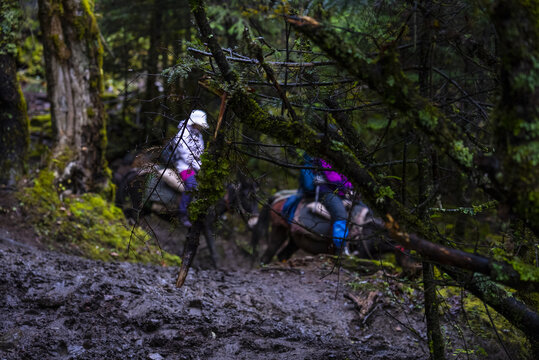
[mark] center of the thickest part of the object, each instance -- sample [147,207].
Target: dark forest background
[430,108]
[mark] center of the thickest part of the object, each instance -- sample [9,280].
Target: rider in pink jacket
[332,186]
[327,186]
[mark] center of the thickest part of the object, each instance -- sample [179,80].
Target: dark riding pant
[335,207]
[187,196]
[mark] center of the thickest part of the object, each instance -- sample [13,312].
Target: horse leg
[278,235]
[287,252]
[260,230]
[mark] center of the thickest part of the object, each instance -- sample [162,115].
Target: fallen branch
[364,306]
[498,271]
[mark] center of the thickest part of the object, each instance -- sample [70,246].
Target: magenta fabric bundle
[334,177]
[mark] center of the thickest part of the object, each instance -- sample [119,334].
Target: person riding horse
[297,220]
[161,184]
[327,186]
[185,150]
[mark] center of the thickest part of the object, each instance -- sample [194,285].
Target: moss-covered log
[73,59]
[520,315]
[214,167]
[14,138]
[514,274]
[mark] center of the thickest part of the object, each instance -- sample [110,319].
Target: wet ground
[57,306]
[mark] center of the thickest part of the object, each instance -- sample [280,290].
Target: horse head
[359,217]
[367,235]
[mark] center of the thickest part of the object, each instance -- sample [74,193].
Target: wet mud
[58,306]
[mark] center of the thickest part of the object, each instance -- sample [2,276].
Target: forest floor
[58,306]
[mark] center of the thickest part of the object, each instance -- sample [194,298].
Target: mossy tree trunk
[425,53]
[14,136]
[73,59]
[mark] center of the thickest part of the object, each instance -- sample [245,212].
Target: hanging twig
[222,109]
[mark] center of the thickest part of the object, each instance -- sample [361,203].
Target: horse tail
[261,229]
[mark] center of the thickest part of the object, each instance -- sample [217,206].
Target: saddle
[169,176]
[317,208]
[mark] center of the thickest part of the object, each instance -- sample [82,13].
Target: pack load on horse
[151,186]
[323,216]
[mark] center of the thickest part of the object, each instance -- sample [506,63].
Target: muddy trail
[58,306]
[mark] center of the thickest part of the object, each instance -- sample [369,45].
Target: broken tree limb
[364,305]
[247,60]
[222,109]
[213,168]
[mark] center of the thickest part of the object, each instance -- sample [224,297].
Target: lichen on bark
[74,58]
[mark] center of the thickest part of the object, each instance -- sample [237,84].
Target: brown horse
[311,230]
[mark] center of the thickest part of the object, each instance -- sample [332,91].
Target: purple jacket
[334,180]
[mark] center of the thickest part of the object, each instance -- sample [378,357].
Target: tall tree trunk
[14,137]
[434,333]
[150,106]
[73,59]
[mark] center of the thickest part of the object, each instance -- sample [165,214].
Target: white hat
[198,117]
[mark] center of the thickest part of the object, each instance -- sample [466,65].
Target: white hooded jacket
[189,150]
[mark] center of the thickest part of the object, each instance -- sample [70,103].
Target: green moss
[527,272]
[383,192]
[428,118]
[41,120]
[85,24]
[195,5]
[354,263]
[478,320]
[290,131]
[462,153]
[41,124]
[210,184]
[23,132]
[87,225]
[62,51]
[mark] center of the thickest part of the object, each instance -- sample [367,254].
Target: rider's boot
[340,232]
[185,221]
